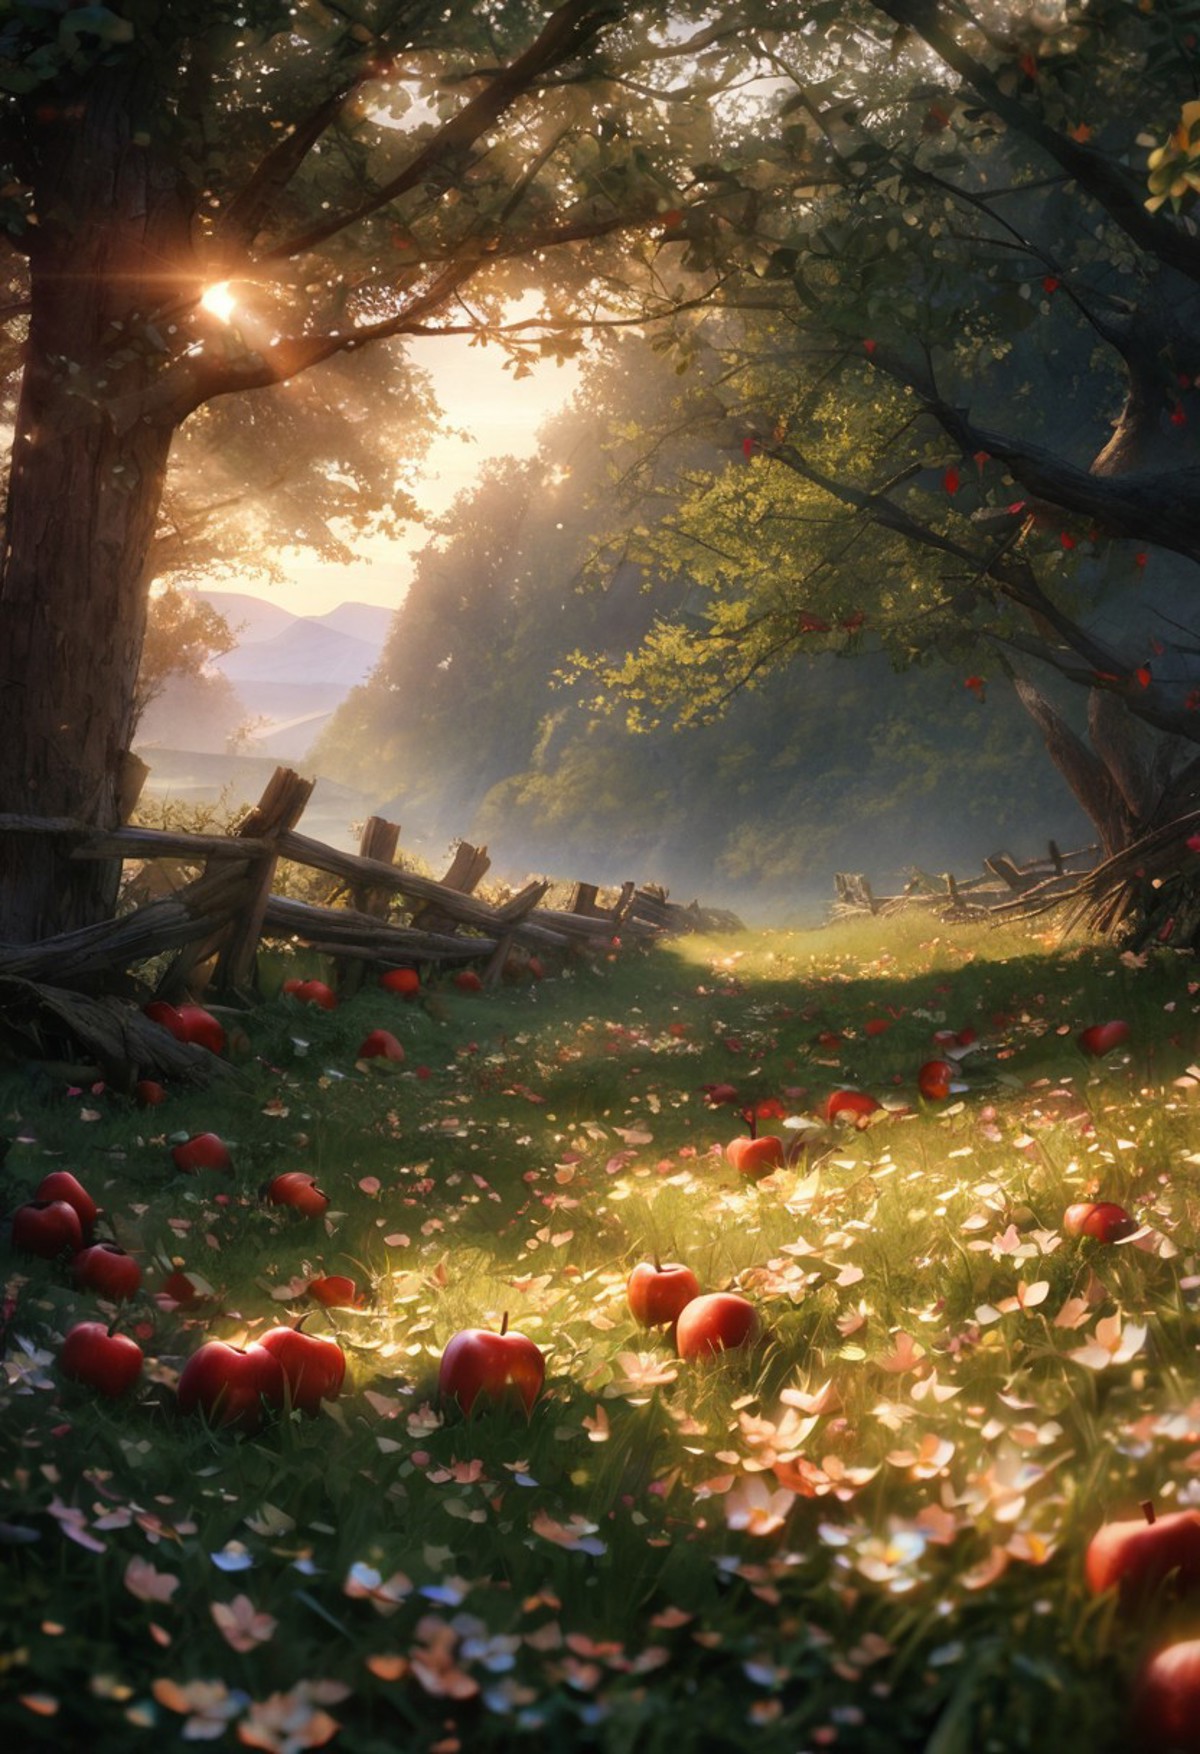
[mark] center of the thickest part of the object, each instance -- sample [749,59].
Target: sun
[219,301]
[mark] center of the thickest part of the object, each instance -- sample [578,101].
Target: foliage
[869,1529]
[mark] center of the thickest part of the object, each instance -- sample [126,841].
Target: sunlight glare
[219,301]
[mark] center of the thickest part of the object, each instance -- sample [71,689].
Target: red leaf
[950,481]
[1067,540]
[1051,283]
[1178,417]
[1143,676]
[870,346]
[748,444]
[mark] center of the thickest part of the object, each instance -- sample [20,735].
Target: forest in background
[481,721]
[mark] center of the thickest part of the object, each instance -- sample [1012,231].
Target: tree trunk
[1084,771]
[83,497]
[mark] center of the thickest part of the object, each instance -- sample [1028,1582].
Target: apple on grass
[335,1291]
[201,1151]
[313,1368]
[294,1188]
[495,1367]
[1166,1701]
[47,1228]
[657,1291]
[405,982]
[107,1362]
[311,993]
[107,1270]
[1139,1555]
[1103,1220]
[721,1321]
[60,1184]
[756,1155]
[1102,1038]
[468,981]
[231,1385]
[381,1044]
[855,1103]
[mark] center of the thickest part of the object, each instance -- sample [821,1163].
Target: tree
[184,633]
[962,363]
[347,173]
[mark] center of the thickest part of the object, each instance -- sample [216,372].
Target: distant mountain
[307,650]
[369,621]
[287,675]
[251,618]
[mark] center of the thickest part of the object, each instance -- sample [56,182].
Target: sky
[477,394]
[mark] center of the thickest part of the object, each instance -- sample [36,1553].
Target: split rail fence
[211,925]
[1004,888]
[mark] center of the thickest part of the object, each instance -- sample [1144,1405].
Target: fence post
[379,840]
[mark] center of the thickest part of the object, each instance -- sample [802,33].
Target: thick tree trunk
[1087,775]
[82,502]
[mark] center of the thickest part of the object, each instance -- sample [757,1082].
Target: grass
[866,1533]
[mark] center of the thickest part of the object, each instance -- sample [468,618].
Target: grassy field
[866,1532]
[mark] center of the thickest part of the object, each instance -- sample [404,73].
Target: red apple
[757,1157]
[381,1044]
[107,1270]
[1103,1220]
[298,1190]
[60,1184]
[148,1093]
[166,1016]
[109,1363]
[201,1028]
[335,1291]
[184,1290]
[201,1151]
[536,967]
[47,1228]
[404,981]
[230,1384]
[312,993]
[1102,1038]
[935,1079]
[715,1323]
[1166,1701]
[467,981]
[496,1366]
[850,1102]
[313,1368]
[658,1290]
[1138,1556]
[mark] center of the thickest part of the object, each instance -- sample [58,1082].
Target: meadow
[866,1531]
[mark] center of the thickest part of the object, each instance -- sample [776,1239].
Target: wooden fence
[1004,888]
[211,924]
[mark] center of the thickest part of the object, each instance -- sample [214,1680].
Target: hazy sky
[477,394]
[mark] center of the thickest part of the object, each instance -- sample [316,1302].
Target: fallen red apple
[230,1385]
[1165,1714]
[1138,1556]
[313,1368]
[182,1288]
[201,1151]
[60,1184]
[467,981]
[755,1157]
[935,1079]
[658,1290]
[850,1102]
[381,1044]
[1103,1220]
[166,1016]
[404,981]
[110,1363]
[717,1322]
[495,1366]
[536,967]
[335,1291]
[148,1093]
[47,1228]
[312,993]
[201,1028]
[107,1270]
[1102,1038]
[299,1191]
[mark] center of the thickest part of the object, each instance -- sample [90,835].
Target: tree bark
[1085,773]
[83,497]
